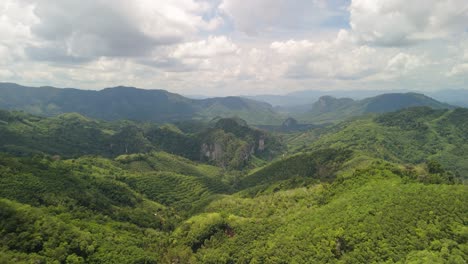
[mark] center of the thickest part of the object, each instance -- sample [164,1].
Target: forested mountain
[226,142]
[330,109]
[410,136]
[378,188]
[303,98]
[300,99]
[263,132]
[132,103]
[162,106]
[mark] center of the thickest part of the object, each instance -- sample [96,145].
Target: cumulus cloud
[338,58]
[210,47]
[87,29]
[16,18]
[460,69]
[185,44]
[400,22]
[461,66]
[404,63]
[254,16]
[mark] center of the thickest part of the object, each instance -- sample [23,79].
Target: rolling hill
[381,189]
[132,103]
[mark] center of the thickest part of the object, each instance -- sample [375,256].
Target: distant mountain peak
[329,103]
[330,109]
[396,101]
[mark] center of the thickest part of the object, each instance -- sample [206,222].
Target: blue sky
[231,47]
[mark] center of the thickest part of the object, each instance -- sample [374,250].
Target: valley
[386,185]
[234,132]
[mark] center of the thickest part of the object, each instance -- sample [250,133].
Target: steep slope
[131,103]
[230,143]
[330,109]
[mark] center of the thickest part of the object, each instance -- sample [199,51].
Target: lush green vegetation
[384,188]
[378,214]
[320,166]
[413,136]
[226,142]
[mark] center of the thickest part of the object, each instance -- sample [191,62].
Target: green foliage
[377,189]
[374,215]
[320,165]
[174,141]
[162,161]
[185,193]
[232,144]
[414,136]
[30,235]
[72,135]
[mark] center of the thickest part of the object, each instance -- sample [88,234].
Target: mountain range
[301,99]
[131,103]
[330,109]
[79,190]
[162,106]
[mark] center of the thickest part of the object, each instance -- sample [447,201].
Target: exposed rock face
[231,143]
[245,153]
[231,152]
[327,104]
[290,122]
[212,151]
[261,144]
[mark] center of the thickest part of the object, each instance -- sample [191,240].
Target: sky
[234,47]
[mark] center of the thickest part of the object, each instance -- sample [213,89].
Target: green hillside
[382,188]
[317,166]
[375,216]
[72,135]
[413,136]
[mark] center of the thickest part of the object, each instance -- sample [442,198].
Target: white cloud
[253,17]
[212,46]
[460,69]
[16,18]
[404,63]
[173,19]
[191,44]
[77,31]
[401,22]
[336,59]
